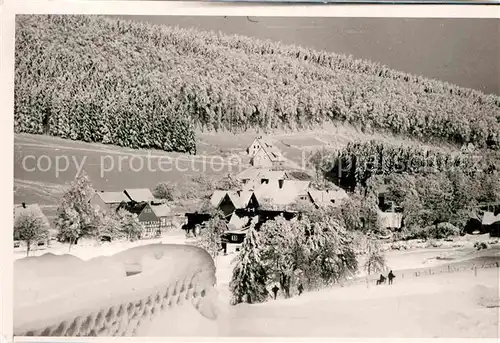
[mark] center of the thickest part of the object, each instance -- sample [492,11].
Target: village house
[282,193]
[232,240]
[271,199]
[153,215]
[261,175]
[164,213]
[389,214]
[230,201]
[329,197]
[193,220]
[266,201]
[491,223]
[108,201]
[146,217]
[264,154]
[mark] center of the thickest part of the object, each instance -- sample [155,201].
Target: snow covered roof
[139,194]
[245,197]
[112,197]
[270,149]
[490,218]
[274,154]
[236,199]
[258,174]
[162,210]
[239,199]
[284,195]
[216,197]
[327,197]
[237,222]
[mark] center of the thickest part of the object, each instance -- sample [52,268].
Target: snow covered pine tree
[249,275]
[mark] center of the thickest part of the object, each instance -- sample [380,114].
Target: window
[234,238]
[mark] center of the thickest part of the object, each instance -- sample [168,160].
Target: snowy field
[87,249]
[463,303]
[443,305]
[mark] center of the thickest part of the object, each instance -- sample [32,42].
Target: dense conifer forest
[138,85]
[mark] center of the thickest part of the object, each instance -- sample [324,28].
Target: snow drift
[127,294]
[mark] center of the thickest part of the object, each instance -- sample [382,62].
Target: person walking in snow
[391,277]
[300,289]
[275,290]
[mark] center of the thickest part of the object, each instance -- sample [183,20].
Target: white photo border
[8,10]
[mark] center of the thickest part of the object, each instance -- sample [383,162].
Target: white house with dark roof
[256,145]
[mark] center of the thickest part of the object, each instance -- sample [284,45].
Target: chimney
[280,183]
[24,205]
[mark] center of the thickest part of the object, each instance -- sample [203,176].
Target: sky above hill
[465,52]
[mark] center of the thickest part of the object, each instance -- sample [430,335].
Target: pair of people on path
[275,290]
[382,278]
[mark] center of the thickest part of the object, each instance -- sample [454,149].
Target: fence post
[475,270]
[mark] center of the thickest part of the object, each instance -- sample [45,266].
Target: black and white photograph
[256,176]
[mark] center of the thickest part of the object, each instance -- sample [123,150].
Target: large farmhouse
[153,215]
[264,154]
[146,216]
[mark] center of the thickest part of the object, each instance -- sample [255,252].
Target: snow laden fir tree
[77,218]
[249,275]
[314,251]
